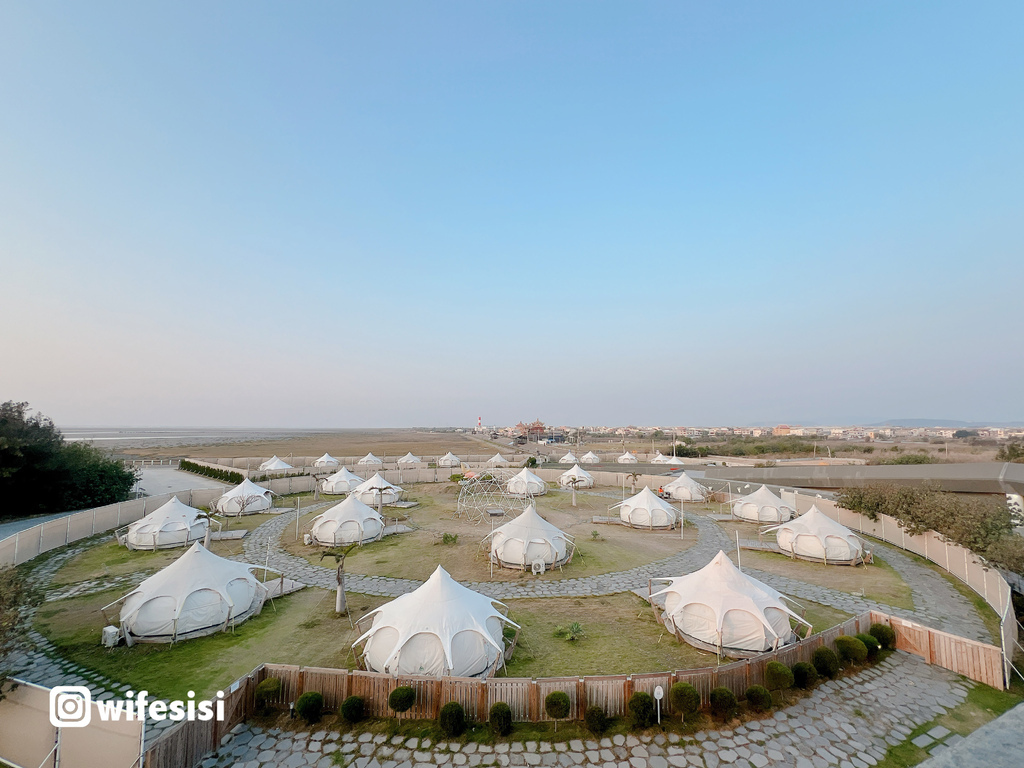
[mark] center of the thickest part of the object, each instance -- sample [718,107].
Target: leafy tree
[15,596]
[1011,452]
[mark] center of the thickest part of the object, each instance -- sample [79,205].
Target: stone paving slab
[997,744]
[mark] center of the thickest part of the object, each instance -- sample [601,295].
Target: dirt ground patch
[415,555]
[877,581]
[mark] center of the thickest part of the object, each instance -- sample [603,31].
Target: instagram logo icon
[70,706]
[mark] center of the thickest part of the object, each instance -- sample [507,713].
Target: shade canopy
[342,481]
[198,594]
[449,460]
[569,458]
[497,459]
[762,506]
[174,524]
[526,484]
[685,488]
[722,607]
[274,463]
[816,536]
[349,522]
[646,510]
[326,461]
[246,498]
[530,539]
[377,490]
[369,459]
[441,628]
[626,458]
[409,459]
[583,478]
[590,458]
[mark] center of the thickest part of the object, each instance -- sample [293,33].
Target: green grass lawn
[300,628]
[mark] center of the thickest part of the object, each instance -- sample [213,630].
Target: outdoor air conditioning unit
[111,636]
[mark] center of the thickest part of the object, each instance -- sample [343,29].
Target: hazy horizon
[345,215]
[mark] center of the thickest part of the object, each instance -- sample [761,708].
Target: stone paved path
[847,723]
[998,744]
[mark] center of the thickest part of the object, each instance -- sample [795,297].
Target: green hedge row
[226,475]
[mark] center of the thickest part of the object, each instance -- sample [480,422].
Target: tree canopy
[41,473]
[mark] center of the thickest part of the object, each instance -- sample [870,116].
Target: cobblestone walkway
[847,723]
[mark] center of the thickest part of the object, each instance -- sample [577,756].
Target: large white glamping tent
[441,628]
[569,458]
[675,461]
[196,595]
[719,608]
[646,510]
[326,461]
[173,524]
[530,542]
[245,498]
[377,490]
[626,458]
[409,459]
[497,460]
[685,488]
[342,481]
[449,460]
[584,479]
[659,458]
[762,506]
[816,536]
[590,458]
[526,484]
[274,463]
[369,459]
[348,522]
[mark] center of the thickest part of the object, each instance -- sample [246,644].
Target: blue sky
[388,214]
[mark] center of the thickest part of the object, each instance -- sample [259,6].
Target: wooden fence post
[534,702]
[300,683]
[481,701]
[581,699]
[437,698]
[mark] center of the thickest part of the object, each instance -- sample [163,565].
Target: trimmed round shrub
[685,698]
[452,719]
[851,650]
[871,644]
[777,676]
[501,719]
[758,698]
[402,698]
[884,634]
[825,662]
[557,704]
[804,675]
[310,706]
[266,691]
[353,709]
[596,719]
[641,709]
[723,703]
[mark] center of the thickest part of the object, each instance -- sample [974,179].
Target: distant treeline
[40,473]
[225,475]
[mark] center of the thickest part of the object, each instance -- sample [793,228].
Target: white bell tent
[646,510]
[584,479]
[409,459]
[816,536]
[196,595]
[246,498]
[685,488]
[326,461]
[174,524]
[659,458]
[342,481]
[348,522]
[497,460]
[675,461]
[529,542]
[719,608]
[369,459]
[526,484]
[377,490]
[569,458]
[590,458]
[272,464]
[626,458]
[762,506]
[441,629]
[449,460]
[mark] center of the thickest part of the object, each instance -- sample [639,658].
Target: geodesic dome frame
[485,491]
